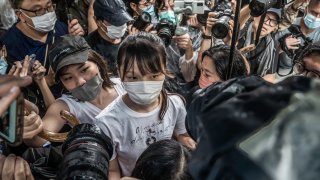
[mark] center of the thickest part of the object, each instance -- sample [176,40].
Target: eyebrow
[39,6]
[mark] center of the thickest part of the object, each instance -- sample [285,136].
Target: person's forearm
[189,53]
[46,92]
[205,44]
[244,16]
[92,25]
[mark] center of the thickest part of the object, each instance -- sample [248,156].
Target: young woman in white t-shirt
[145,114]
[83,74]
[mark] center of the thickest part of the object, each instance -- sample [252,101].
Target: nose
[80,81]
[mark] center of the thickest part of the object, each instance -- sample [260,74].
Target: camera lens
[259,7]
[142,21]
[86,154]
[202,18]
[165,31]
[221,28]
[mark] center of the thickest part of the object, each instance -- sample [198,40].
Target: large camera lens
[166,30]
[142,21]
[86,154]
[259,7]
[202,18]
[221,28]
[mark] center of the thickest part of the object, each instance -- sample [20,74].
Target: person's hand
[29,107]
[183,42]
[210,22]
[292,43]
[32,125]
[9,89]
[187,141]
[14,168]
[193,21]
[75,28]
[20,70]
[50,77]
[38,71]
[227,40]
[134,30]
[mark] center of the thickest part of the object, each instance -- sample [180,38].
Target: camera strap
[263,16]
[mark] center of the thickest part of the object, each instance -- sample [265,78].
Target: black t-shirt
[106,49]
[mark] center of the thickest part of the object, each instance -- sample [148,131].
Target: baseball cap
[113,11]
[67,50]
[276,12]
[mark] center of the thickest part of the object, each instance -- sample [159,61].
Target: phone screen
[11,122]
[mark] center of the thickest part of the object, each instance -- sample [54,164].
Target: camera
[86,154]
[189,7]
[11,122]
[296,33]
[221,28]
[166,30]
[259,7]
[142,21]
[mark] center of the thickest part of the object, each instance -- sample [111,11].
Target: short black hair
[163,160]
[16,4]
[220,58]
[310,49]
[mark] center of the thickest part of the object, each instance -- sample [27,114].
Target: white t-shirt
[85,111]
[132,132]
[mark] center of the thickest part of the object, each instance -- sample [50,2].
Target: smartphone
[11,122]
[32,60]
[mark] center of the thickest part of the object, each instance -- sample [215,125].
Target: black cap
[113,11]
[68,50]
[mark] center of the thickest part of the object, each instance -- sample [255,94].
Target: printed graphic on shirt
[148,133]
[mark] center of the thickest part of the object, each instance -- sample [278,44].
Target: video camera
[86,154]
[189,7]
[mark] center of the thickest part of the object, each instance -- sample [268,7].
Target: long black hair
[148,51]
[220,55]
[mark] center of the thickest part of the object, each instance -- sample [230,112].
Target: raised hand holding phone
[11,107]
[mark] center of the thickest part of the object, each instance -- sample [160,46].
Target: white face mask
[143,92]
[44,23]
[116,32]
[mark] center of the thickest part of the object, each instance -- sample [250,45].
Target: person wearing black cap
[111,18]
[83,73]
[262,57]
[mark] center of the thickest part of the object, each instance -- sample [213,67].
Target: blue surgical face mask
[150,10]
[3,66]
[168,15]
[311,21]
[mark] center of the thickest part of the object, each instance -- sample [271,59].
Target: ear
[133,6]
[20,15]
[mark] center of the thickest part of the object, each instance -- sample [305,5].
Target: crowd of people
[136,70]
